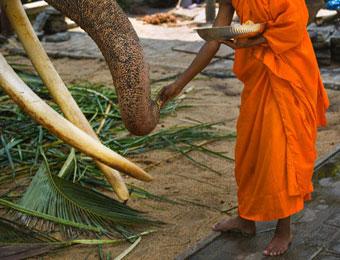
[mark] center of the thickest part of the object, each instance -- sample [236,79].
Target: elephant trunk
[112,31]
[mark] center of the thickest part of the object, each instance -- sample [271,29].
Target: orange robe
[282,104]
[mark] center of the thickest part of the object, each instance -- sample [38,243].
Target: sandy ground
[212,100]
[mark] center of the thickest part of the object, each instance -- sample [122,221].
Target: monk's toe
[274,251]
[266,252]
[270,251]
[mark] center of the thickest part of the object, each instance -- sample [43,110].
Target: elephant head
[109,27]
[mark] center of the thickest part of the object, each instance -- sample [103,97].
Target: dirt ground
[212,100]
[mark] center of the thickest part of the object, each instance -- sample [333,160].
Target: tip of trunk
[141,130]
[141,127]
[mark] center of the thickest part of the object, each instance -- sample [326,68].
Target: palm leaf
[53,196]
[13,232]
[34,215]
[8,154]
[17,242]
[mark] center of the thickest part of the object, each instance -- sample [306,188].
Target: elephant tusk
[60,127]
[56,86]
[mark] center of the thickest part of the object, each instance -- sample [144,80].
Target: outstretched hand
[244,43]
[167,93]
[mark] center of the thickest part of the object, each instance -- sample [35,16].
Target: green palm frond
[18,242]
[179,135]
[12,232]
[36,215]
[21,134]
[54,196]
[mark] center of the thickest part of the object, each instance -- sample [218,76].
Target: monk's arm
[203,58]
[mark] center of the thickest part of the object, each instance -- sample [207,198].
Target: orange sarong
[282,104]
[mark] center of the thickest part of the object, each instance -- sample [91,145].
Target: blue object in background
[333,4]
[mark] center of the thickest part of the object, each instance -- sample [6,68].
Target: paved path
[172,48]
[316,229]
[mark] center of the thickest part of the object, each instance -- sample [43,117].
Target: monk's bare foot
[281,240]
[239,224]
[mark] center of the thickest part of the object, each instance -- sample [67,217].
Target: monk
[282,104]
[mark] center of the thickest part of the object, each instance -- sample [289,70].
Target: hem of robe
[279,213]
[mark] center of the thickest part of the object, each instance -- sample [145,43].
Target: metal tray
[230,32]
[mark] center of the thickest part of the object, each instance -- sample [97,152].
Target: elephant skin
[109,27]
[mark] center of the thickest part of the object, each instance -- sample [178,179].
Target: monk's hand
[244,43]
[167,93]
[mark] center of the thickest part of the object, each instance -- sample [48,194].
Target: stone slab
[79,46]
[331,77]
[35,7]
[334,220]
